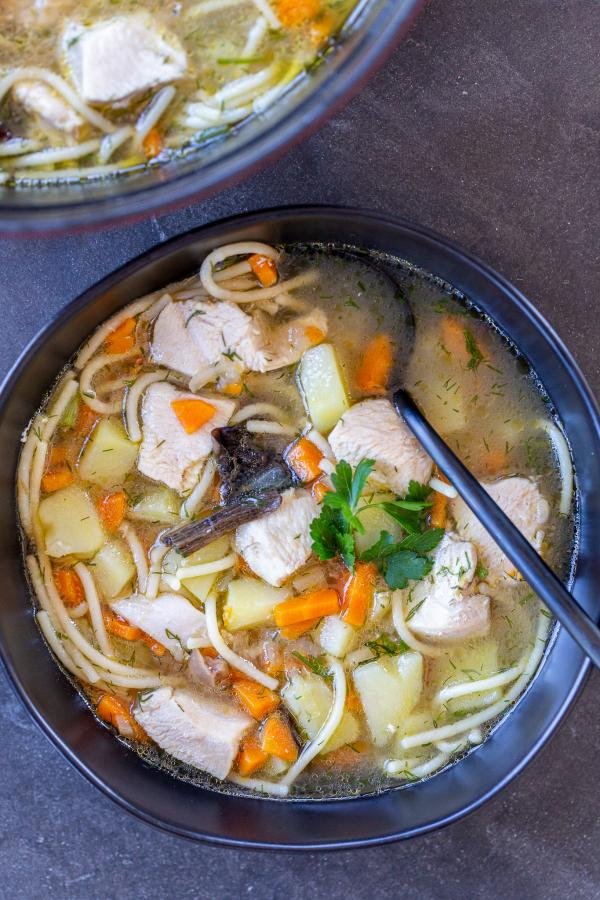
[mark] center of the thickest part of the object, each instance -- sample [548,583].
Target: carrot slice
[353,703]
[86,419]
[69,587]
[57,455]
[324,602]
[319,489]
[278,740]
[116,712]
[233,390]
[257,699]
[117,626]
[122,338]
[376,366]
[111,509]
[251,757]
[264,268]
[193,413]
[57,478]
[495,461]
[304,457]
[314,334]
[292,13]
[321,29]
[291,632]
[358,594]
[152,143]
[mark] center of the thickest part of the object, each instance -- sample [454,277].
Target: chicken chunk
[191,335]
[202,731]
[169,619]
[445,610]
[118,59]
[373,430]
[523,503]
[38,98]
[278,544]
[167,452]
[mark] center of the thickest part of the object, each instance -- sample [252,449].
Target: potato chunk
[108,456]
[70,523]
[113,568]
[308,697]
[389,688]
[251,602]
[323,386]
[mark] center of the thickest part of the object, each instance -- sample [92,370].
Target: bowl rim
[163,250]
[341,81]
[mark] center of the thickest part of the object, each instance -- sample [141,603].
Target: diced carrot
[438,511]
[57,478]
[232,390]
[273,663]
[122,339]
[344,759]
[353,703]
[210,652]
[305,457]
[321,29]
[155,647]
[455,339]
[193,413]
[116,712]
[295,12]
[257,699]
[111,509]
[264,268]
[291,632]
[251,757]
[119,627]
[278,740]
[358,594]
[495,461]
[315,605]
[86,419]
[152,143]
[376,365]
[57,455]
[314,334]
[69,586]
[319,489]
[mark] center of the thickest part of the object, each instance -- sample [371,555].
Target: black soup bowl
[200,813]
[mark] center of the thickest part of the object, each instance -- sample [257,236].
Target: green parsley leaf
[404,566]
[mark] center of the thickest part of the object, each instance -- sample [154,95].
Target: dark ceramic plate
[198,812]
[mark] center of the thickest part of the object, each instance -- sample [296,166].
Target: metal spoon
[518,549]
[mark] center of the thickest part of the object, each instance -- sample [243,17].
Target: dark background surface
[485,125]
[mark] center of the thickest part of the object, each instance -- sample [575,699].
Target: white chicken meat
[198,729]
[522,501]
[116,60]
[278,544]
[170,619]
[373,430]
[167,452]
[445,608]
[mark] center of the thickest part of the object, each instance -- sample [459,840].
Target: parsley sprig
[399,562]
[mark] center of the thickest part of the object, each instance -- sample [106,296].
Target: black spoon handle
[518,549]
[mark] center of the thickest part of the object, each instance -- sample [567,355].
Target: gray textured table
[485,125]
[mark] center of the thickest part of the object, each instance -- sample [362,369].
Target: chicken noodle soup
[93,88]
[246,561]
